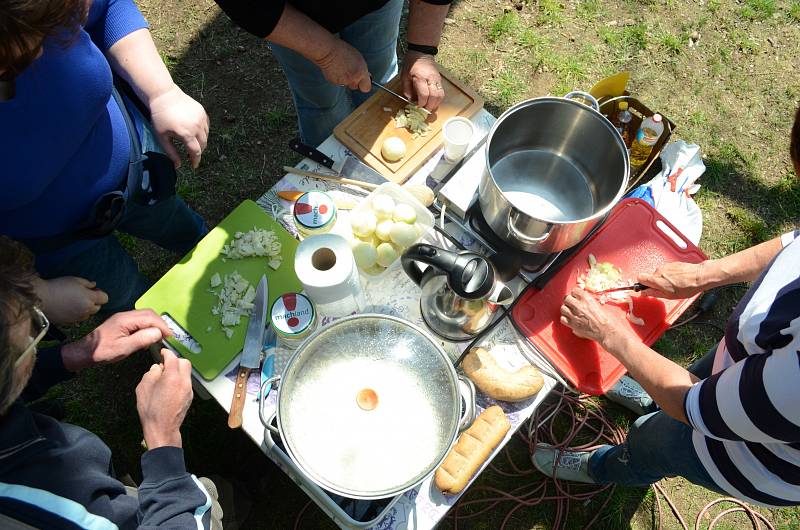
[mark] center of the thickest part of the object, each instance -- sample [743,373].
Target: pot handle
[586,96]
[267,422]
[467,391]
[512,227]
[269,442]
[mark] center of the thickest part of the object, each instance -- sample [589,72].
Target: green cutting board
[184,291]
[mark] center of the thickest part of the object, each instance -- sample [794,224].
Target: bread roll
[480,366]
[471,450]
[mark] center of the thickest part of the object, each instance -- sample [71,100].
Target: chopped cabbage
[256,242]
[234,299]
[603,275]
[414,119]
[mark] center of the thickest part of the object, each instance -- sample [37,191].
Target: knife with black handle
[311,153]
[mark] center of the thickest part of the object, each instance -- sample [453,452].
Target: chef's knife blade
[355,169]
[351,167]
[251,353]
[636,287]
[398,96]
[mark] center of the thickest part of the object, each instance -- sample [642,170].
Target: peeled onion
[363,223]
[393,149]
[403,234]
[365,255]
[386,254]
[384,229]
[404,213]
[383,206]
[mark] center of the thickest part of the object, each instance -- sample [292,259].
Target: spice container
[293,318]
[314,213]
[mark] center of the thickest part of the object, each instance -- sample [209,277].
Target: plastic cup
[457,133]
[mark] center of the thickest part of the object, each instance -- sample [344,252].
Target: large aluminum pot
[369,406]
[554,168]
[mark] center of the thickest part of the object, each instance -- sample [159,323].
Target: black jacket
[260,17]
[55,475]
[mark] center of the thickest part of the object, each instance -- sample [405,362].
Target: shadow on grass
[759,208]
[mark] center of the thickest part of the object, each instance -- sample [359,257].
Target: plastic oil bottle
[621,120]
[649,133]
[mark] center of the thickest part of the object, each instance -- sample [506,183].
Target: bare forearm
[743,266]
[425,22]
[136,59]
[665,381]
[298,32]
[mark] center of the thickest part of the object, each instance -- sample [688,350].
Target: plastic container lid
[657,118]
[314,210]
[623,105]
[292,315]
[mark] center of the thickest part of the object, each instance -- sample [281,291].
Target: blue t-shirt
[63,139]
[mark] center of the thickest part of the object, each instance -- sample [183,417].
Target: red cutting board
[635,238]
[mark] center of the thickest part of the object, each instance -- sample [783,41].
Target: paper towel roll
[325,266]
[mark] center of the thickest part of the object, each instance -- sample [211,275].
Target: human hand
[162,399]
[115,339]
[674,280]
[588,319]
[69,299]
[421,78]
[176,116]
[345,66]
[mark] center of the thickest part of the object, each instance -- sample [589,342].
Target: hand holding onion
[588,319]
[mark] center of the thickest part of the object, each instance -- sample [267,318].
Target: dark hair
[24,24]
[794,145]
[17,298]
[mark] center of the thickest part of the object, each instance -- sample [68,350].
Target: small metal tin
[293,318]
[314,213]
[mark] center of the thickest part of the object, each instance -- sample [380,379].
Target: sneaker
[572,465]
[630,394]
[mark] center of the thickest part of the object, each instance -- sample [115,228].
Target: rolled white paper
[325,266]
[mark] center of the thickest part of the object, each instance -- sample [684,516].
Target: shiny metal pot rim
[561,100]
[336,476]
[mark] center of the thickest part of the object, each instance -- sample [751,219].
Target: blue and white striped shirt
[746,416]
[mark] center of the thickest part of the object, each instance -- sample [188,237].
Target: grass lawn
[726,72]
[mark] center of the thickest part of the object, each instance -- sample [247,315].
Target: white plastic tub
[424,221]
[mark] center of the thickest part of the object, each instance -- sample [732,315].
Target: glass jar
[293,318]
[314,213]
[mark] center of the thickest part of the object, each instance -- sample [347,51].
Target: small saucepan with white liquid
[554,168]
[369,406]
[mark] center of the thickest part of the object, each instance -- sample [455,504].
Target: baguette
[471,450]
[482,368]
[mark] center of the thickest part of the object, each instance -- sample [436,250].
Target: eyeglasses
[39,327]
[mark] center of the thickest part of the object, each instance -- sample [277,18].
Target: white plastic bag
[670,192]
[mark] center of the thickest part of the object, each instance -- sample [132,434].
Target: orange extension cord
[583,420]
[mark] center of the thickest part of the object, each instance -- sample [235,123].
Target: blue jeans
[320,105]
[170,224]
[656,446]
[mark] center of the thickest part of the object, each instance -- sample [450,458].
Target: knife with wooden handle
[420,192]
[251,353]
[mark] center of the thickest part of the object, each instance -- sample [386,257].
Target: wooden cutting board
[364,131]
[183,292]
